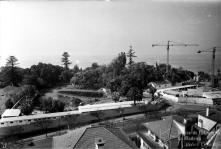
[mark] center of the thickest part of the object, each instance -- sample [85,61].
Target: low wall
[107,106]
[195,100]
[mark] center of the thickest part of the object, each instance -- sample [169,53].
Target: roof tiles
[85,139]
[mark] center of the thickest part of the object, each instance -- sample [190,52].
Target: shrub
[115,96]
[51,106]
[134,94]
[57,106]
[26,108]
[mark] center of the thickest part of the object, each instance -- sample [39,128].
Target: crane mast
[168,45]
[213,50]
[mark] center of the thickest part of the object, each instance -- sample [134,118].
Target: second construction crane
[168,45]
[213,51]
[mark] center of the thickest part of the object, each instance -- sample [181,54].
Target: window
[200,120]
[29,120]
[11,122]
[20,121]
[2,123]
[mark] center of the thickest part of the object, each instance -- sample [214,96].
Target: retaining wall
[195,100]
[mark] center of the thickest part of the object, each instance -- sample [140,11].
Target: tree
[27,107]
[115,96]
[66,75]
[94,65]
[28,104]
[118,64]
[115,84]
[90,78]
[50,105]
[44,75]
[76,69]
[11,74]
[46,104]
[130,55]
[57,106]
[12,62]
[65,60]
[134,94]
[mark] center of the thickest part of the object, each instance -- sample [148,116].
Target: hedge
[83,93]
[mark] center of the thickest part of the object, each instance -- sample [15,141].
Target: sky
[96,31]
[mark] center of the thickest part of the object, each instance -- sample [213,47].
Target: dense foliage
[26,107]
[50,105]
[115,96]
[22,93]
[128,80]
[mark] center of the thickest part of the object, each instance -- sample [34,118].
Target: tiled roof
[68,140]
[164,129]
[122,135]
[85,139]
[179,119]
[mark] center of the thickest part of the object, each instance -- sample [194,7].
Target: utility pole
[213,51]
[168,45]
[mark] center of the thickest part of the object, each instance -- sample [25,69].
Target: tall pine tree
[11,74]
[65,60]
[131,55]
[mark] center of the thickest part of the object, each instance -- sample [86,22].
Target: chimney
[207,111]
[99,143]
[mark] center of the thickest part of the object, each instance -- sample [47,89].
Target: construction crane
[213,51]
[168,45]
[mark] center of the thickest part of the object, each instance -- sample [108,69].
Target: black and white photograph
[110,74]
